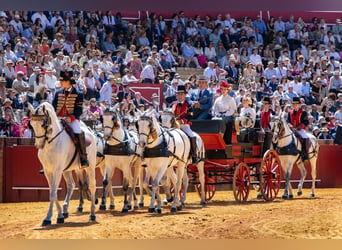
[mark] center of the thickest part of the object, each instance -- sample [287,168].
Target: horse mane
[174,123]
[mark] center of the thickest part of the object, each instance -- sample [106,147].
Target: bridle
[281,129]
[46,122]
[152,131]
[115,125]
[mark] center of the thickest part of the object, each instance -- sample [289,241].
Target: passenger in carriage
[247,115]
[298,120]
[183,113]
[266,115]
[225,108]
[202,99]
[68,103]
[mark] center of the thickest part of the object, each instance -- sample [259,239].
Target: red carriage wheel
[270,175]
[241,182]
[209,187]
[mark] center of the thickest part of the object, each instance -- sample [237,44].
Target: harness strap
[72,160]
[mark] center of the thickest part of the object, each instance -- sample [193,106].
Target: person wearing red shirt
[266,115]
[68,103]
[183,113]
[298,118]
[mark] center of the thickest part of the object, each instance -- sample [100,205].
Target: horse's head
[278,128]
[145,127]
[41,123]
[111,121]
[168,119]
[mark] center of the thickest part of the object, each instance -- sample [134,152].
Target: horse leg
[302,178]
[92,186]
[313,162]
[81,193]
[104,191]
[53,180]
[141,187]
[70,184]
[185,187]
[287,180]
[166,184]
[155,186]
[178,186]
[200,169]
[159,202]
[125,187]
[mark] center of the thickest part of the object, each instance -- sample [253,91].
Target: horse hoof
[165,202]
[103,207]
[291,196]
[259,196]
[151,209]
[173,209]
[46,223]
[170,199]
[80,209]
[203,203]
[129,207]
[111,207]
[92,217]
[96,201]
[65,215]
[136,207]
[159,210]
[284,197]
[299,193]
[179,208]
[60,220]
[124,210]
[312,195]
[141,204]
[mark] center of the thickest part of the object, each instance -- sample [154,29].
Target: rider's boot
[82,150]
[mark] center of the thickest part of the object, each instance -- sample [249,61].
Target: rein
[46,124]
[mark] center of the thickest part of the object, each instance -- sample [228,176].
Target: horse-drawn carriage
[241,164]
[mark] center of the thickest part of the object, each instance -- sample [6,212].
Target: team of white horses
[157,152]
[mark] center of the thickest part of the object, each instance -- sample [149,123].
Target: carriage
[241,164]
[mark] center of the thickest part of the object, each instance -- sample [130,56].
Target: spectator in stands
[335,82]
[188,53]
[108,89]
[19,84]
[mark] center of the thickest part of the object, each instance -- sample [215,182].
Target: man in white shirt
[297,86]
[108,89]
[255,58]
[210,70]
[51,80]
[18,26]
[45,22]
[228,22]
[335,82]
[169,56]
[338,114]
[147,74]
[55,18]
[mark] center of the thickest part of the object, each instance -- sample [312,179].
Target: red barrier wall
[20,168]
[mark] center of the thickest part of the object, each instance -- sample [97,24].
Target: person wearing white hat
[337,30]
[50,80]
[19,84]
[33,77]
[335,82]
[17,24]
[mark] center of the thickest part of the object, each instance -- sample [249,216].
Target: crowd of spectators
[278,58]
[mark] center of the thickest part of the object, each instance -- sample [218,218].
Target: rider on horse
[298,118]
[68,103]
[183,113]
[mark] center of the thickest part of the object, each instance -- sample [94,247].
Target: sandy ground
[222,218]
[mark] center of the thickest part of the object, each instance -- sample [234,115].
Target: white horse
[162,151]
[122,153]
[169,122]
[59,156]
[287,141]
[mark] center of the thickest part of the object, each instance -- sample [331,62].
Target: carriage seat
[70,132]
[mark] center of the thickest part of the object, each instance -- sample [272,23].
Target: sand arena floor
[222,218]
